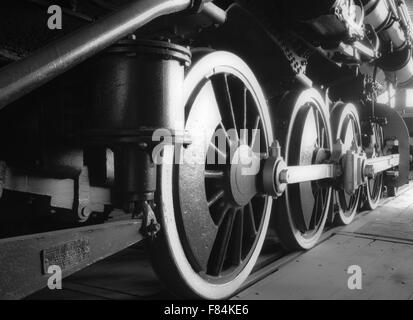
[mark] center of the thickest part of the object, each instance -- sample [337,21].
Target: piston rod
[27,74]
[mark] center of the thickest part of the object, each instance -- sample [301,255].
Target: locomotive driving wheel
[302,211]
[373,144]
[346,128]
[214,220]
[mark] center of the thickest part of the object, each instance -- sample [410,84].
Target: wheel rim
[214,252]
[308,142]
[374,148]
[346,125]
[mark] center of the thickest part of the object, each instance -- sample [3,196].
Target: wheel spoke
[237,236]
[321,206]
[223,94]
[376,187]
[352,201]
[317,128]
[206,107]
[323,138]
[245,108]
[322,197]
[316,210]
[222,213]
[355,133]
[255,132]
[373,190]
[216,198]
[250,221]
[229,141]
[221,244]
[230,104]
[244,136]
[222,157]
[308,203]
[313,214]
[214,174]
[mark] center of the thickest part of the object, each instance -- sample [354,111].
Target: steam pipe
[27,74]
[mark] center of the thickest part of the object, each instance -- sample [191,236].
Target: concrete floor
[380,242]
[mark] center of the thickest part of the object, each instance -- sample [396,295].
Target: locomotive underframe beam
[25,260]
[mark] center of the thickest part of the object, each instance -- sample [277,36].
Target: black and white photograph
[206,156]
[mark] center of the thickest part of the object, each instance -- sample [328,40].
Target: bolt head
[369,171]
[84,213]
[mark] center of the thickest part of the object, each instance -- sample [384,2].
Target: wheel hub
[245,166]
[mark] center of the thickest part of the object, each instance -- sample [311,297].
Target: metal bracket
[197,6]
[150,226]
[353,171]
[271,172]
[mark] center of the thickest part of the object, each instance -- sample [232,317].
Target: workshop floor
[380,242]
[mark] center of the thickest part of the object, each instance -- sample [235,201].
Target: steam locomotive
[215,124]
